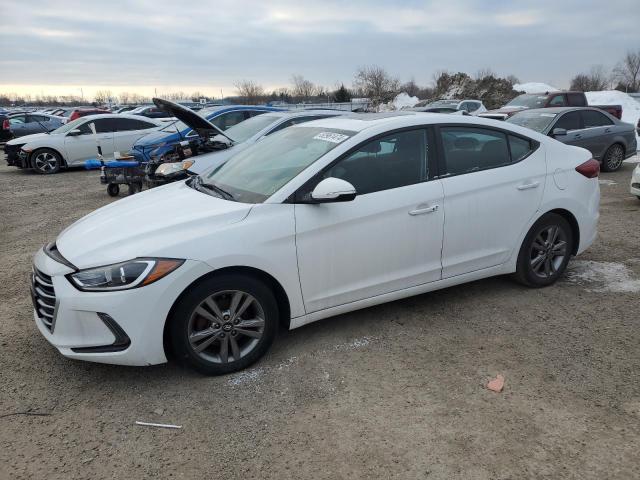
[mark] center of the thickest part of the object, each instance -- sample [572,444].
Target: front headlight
[122,276]
[167,169]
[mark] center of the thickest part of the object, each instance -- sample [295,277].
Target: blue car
[162,142]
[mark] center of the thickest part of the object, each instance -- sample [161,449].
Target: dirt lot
[394,391]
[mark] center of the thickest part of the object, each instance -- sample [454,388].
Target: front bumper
[122,327]
[634,187]
[12,155]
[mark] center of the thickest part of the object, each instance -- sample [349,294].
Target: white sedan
[319,219]
[75,142]
[635,182]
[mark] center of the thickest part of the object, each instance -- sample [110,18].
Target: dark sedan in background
[608,139]
[21,124]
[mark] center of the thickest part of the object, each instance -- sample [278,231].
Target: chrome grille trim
[44,298]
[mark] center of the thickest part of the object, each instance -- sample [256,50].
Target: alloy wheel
[226,326]
[548,251]
[45,162]
[615,157]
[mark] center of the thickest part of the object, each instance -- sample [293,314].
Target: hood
[156,222]
[199,124]
[27,138]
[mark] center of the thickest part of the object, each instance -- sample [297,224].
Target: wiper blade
[220,191]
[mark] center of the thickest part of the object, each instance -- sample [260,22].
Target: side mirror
[558,132]
[333,190]
[74,133]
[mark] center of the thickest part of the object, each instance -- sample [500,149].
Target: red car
[83,112]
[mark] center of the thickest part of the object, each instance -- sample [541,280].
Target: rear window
[591,118]
[469,149]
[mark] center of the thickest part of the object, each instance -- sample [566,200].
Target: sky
[55,47]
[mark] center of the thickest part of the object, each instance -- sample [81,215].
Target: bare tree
[374,82]
[249,90]
[627,72]
[485,73]
[513,80]
[411,88]
[302,88]
[102,96]
[124,97]
[595,80]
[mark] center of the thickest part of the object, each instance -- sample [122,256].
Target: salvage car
[316,220]
[74,142]
[223,145]
[548,100]
[22,124]
[158,145]
[635,182]
[609,140]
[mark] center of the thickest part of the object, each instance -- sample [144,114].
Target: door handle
[577,135]
[527,186]
[607,130]
[422,211]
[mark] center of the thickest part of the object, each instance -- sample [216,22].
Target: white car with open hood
[316,220]
[77,141]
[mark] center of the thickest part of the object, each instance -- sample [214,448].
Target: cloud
[210,44]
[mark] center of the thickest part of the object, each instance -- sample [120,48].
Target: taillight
[590,168]
[6,125]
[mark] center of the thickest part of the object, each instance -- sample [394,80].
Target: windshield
[253,175]
[528,101]
[181,126]
[245,130]
[537,121]
[67,127]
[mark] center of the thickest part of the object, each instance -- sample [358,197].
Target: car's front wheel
[224,324]
[545,252]
[46,161]
[613,159]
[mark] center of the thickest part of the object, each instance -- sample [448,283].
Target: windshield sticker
[548,115]
[331,137]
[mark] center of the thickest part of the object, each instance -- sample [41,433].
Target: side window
[104,125]
[229,119]
[471,149]
[18,120]
[394,161]
[577,100]
[591,118]
[282,126]
[519,147]
[558,101]
[37,118]
[569,121]
[255,113]
[127,124]
[84,128]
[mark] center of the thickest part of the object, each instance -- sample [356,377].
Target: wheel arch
[278,290]
[64,160]
[573,222]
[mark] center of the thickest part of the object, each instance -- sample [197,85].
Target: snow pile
[630,107]
[402,100]
[603,276]
[534,87]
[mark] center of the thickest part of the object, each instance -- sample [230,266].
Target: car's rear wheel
[613,159]
[545,252]
[224,324]
[46,161]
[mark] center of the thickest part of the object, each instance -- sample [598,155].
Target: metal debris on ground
[158,425]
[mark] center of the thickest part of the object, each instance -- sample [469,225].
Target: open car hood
[200,125]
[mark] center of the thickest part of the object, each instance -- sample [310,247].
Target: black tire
[613,158]
[530,252]
[181,319]
[113,189]
[46,161]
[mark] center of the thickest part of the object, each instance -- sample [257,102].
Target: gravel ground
[395,391]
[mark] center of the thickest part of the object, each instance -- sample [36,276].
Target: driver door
[388,238]
[85,146]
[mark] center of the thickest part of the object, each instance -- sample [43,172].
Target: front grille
[44,298]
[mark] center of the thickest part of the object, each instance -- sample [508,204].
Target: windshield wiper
[199,184]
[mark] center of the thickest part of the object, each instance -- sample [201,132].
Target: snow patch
[606,182]
[534,87]
[402,100]
[630,107]
[604,276]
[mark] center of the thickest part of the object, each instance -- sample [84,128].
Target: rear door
[493,183]
[596,133]
[127,131]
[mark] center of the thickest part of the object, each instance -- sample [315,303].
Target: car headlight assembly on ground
[123,276]
[173,168]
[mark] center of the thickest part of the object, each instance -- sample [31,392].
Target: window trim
[432,163]
[442,163]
